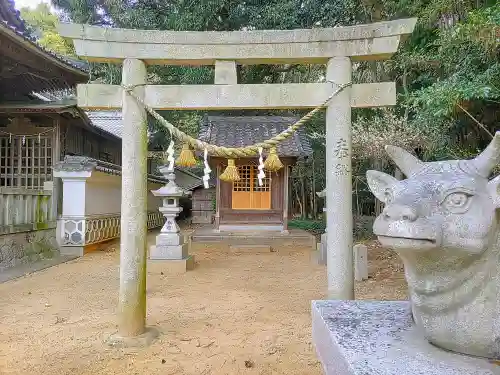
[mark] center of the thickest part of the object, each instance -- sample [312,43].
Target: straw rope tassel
[261,174]
[207,170]
[273,162]
[230,173]
[186,157]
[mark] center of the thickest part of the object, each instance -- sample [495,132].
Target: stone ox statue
[443,221]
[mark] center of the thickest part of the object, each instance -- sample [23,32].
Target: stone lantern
[170,244]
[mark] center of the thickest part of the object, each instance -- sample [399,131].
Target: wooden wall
[79,141]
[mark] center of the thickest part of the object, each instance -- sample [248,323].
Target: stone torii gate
[337,47]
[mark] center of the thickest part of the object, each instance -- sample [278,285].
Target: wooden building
[244,203]
[40,125]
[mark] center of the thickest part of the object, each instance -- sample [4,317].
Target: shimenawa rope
[233,152]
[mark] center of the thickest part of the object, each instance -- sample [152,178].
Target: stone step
[250,228]
[250,249]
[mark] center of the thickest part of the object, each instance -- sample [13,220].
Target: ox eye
[456,200]
[388,197]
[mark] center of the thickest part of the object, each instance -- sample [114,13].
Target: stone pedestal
[380,338]
[323,252]
[360,262]
[170,245]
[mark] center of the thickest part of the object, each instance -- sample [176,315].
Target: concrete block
[323,253]
[250,248]
[164,239]
[360,262]
[171,267]
[380,338]
[176,252]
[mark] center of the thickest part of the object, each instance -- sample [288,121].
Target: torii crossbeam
[335,47]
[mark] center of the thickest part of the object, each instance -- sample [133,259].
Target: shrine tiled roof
[109,121]
[11,22]
[239,131]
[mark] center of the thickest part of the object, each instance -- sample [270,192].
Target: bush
[311,226]
[362,228]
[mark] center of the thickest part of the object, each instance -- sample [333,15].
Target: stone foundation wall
[27,247]
[203,209]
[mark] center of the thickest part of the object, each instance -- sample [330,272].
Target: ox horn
[404,160]
[488,159]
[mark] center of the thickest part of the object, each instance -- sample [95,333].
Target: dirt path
[231,309]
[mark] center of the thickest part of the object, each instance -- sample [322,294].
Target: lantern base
[170,266]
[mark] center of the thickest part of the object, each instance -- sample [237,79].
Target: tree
[43,23]
[449,65]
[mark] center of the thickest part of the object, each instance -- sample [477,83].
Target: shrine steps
[294,239]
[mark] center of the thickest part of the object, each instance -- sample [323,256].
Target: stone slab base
[141,341]
[250,249]
[169,267]
[379,338]
[168,252]
[79,251]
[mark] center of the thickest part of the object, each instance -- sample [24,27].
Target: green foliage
[451,60]
[311,226]
[43,22]
[468,67]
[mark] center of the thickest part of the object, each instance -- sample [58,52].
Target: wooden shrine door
[247,194]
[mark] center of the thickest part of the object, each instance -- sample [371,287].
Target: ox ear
[493,186]
[379,182]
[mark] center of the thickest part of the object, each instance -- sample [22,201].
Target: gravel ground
[234,314]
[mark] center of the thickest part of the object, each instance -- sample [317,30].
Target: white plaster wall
[103,195]
[74,197]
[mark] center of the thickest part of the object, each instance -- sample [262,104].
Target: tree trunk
[301,208]
[302,194]
[313,191]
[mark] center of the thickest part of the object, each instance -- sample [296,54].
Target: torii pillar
[339,261]
[337,47]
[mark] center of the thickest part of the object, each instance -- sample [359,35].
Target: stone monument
[170,244]
[443,222]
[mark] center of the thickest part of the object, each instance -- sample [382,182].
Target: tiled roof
[10,20]
[109,121]
[229,131]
